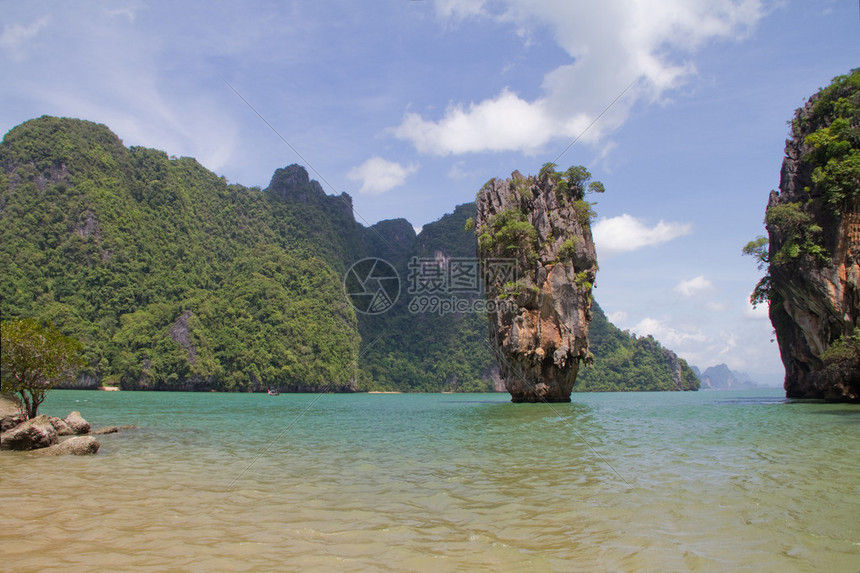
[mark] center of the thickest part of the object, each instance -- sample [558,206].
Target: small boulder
[62,428]
[35,433]
[9,422]
[77,423]
[105,430]
[78,446]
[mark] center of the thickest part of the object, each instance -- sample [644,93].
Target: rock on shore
[77,446]
[77,423]
[42,433]
[35,433]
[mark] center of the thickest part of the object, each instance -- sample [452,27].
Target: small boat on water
[274,392]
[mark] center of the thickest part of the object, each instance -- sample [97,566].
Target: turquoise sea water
[705,481]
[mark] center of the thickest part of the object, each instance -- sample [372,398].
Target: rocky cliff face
[539,263]
[813,224]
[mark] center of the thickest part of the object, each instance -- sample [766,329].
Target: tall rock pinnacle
[813,281]
[535,244]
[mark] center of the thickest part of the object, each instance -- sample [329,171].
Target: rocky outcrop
[181,334]
[77,446]
[292,184]
[721,377]
[83,381]
[813,223]
[61,426]
[677,367]
[42,434]
[35,433]
[105,430]
[10,421]
[77,423]
[539,265]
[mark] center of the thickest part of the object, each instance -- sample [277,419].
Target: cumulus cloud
[611,45]
[378,175]
[14,37]
[666,334]
[627,233]
[504,123]
[617,317]
[694,286]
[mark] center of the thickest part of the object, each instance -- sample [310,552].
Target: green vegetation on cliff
[829,133]
[418,345]
[169,277]
[834,140]
[173,279]
[624,363]
[812,248]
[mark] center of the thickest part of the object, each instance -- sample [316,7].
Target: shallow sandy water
[703,481]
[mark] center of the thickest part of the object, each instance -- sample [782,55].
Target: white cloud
[626,233]
[611,45]
[617,317]
[667,335]
[13,38]
[505,123]
[378,175]
[694,286]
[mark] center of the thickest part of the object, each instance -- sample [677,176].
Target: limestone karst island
[812,251]
[169,278]
[172,279]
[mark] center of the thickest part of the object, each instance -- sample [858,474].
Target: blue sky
[410,106]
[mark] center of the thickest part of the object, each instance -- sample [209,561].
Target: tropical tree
[34,358]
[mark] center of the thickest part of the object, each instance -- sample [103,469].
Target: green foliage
[584,212]
[581,280]
[841,360]
[845,349]
[763,292]
[485,241]
[829,128]
[574,184]
[169,277]
[567,251]
[509,234]
[840,99]
[425,349]
[758,249]
[802,235]
[547,170]
[34,358]
[596,187]
[470,224]
[623,363]
[836,156]
[516,288]
[172,279]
